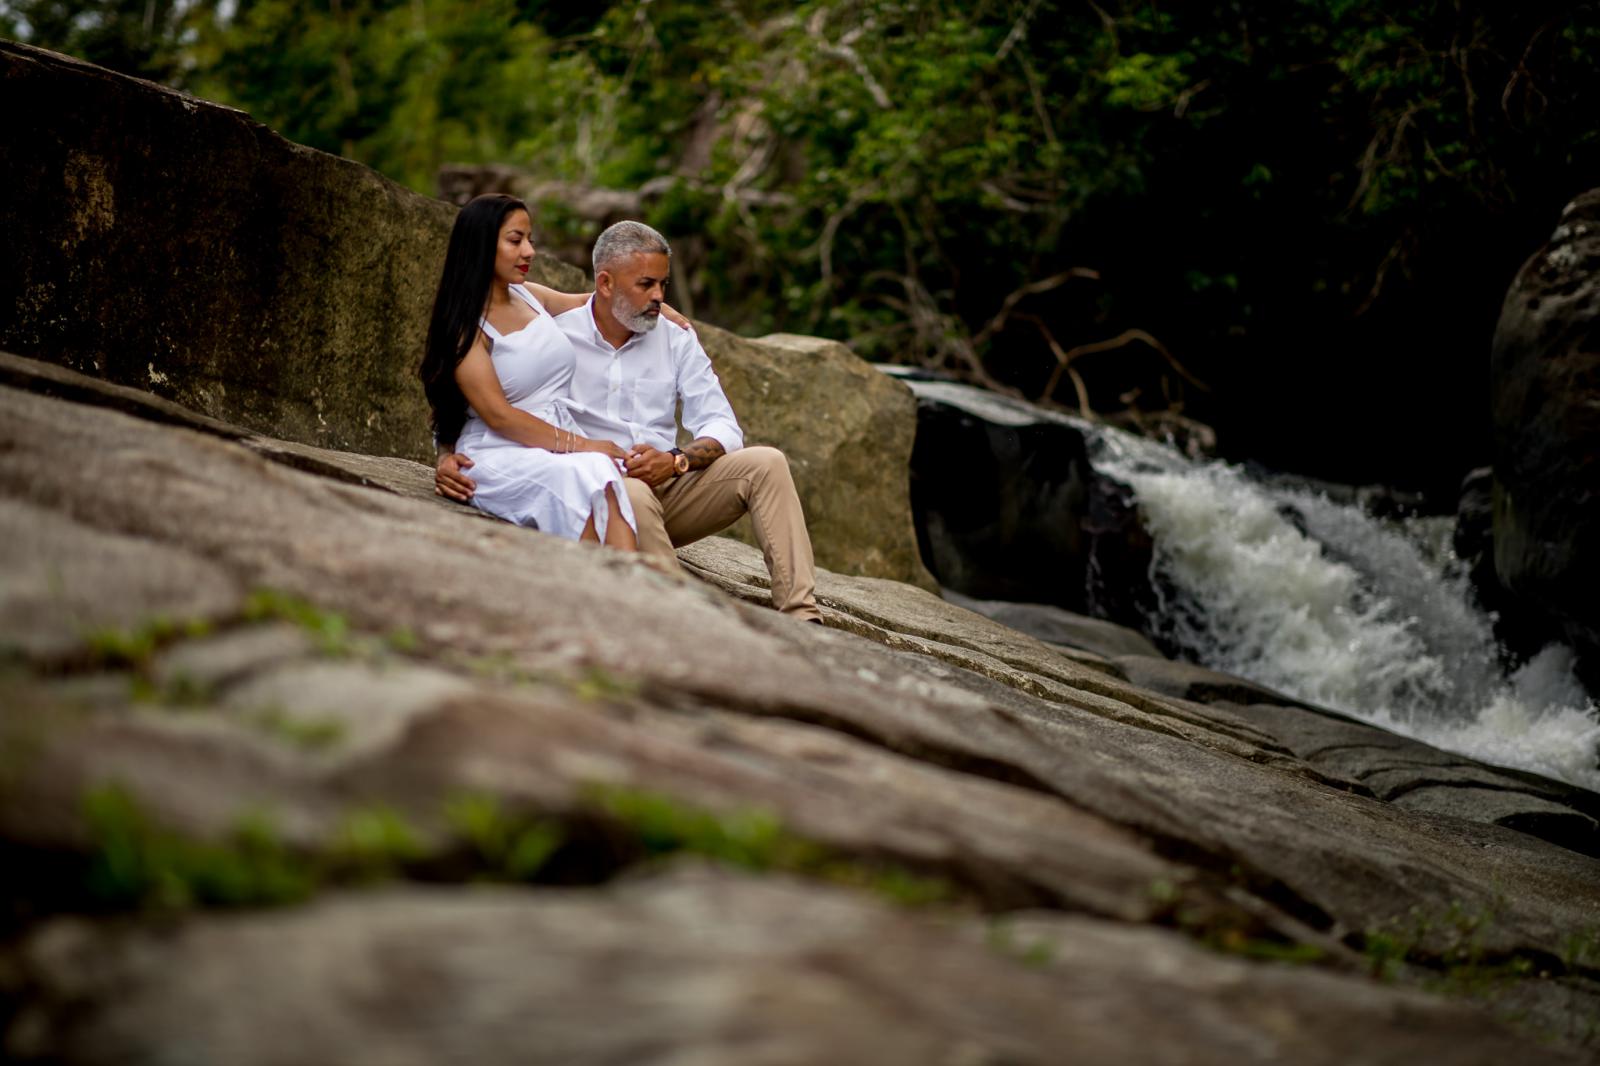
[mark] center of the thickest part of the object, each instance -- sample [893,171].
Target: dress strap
[533,301]
[483,324]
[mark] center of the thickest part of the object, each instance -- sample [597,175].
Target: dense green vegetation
[1104,204]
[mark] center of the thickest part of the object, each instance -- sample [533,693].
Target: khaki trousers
[706,501]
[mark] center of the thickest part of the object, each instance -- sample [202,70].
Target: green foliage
[146,38]
[297,731]
[1002,938]
[136,863]
[329,629]
[896,172]
[598,684]
[756,840]
[133,647]
[508,847]
[375,843]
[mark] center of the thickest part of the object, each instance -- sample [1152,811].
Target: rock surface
[1008,506]
[1054,625]
[705,967]
[1545,370]
[287,291]
[847,431]
[405,659]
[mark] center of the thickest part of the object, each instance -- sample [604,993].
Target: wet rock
[1187,681]
[1008,507]
[1419,777]
[1057,626]
[1545,368]
[999,491]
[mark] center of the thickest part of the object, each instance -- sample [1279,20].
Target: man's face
[638,285]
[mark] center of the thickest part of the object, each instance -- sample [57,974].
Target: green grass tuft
[329,629]
[136,864]
[509,848]
[756,840]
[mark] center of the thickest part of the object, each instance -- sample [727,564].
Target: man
[629,379]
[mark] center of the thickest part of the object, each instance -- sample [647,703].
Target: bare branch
[1033,288]
[842,50]
[1019,30]
[830,229]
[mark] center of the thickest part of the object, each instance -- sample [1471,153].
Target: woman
[497,372]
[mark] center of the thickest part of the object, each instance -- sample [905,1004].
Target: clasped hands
[649,465]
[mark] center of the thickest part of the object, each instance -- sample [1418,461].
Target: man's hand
[448,479]
[650,466]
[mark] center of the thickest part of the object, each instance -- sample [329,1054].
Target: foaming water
[1326,603]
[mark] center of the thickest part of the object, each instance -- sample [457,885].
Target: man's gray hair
[625,239]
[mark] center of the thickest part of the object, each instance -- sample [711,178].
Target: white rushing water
[1354,613]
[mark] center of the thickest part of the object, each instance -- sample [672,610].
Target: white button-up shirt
[630,394]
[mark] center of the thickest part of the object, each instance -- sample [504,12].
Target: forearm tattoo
[702,452]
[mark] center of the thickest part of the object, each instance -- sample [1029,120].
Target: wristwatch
[680,462]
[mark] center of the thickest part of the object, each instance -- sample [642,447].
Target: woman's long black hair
[459,304]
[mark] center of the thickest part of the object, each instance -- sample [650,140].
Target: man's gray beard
[633,321]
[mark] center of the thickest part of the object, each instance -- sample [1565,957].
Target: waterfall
[1326,603]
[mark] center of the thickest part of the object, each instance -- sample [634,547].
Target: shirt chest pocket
[654,399]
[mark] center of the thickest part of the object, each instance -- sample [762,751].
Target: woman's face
[514,251]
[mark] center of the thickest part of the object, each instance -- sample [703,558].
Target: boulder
[164,242]
[353,662]
[847,431]
[1008,506]
[177,245]
[1545,368]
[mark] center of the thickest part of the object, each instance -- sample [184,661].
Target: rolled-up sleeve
[706,411]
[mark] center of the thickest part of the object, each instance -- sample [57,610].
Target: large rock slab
[907,730]
[1545,368]
[696,967]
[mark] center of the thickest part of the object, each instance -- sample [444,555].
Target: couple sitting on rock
[562,405]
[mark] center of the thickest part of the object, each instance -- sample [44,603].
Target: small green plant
[1385,954]
[512,848]
[1002,938]
[181,690]
[403,640]
[1236,942]
[133,647]
[307,734]
[598,684]
[751,839]
[136,863]
[374,843]
[329,629]
[756,840]
[1582,950]
[1164,892]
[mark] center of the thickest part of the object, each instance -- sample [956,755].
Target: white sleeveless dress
[557,492]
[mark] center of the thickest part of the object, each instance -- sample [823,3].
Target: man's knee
[642,496]
[763,459]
